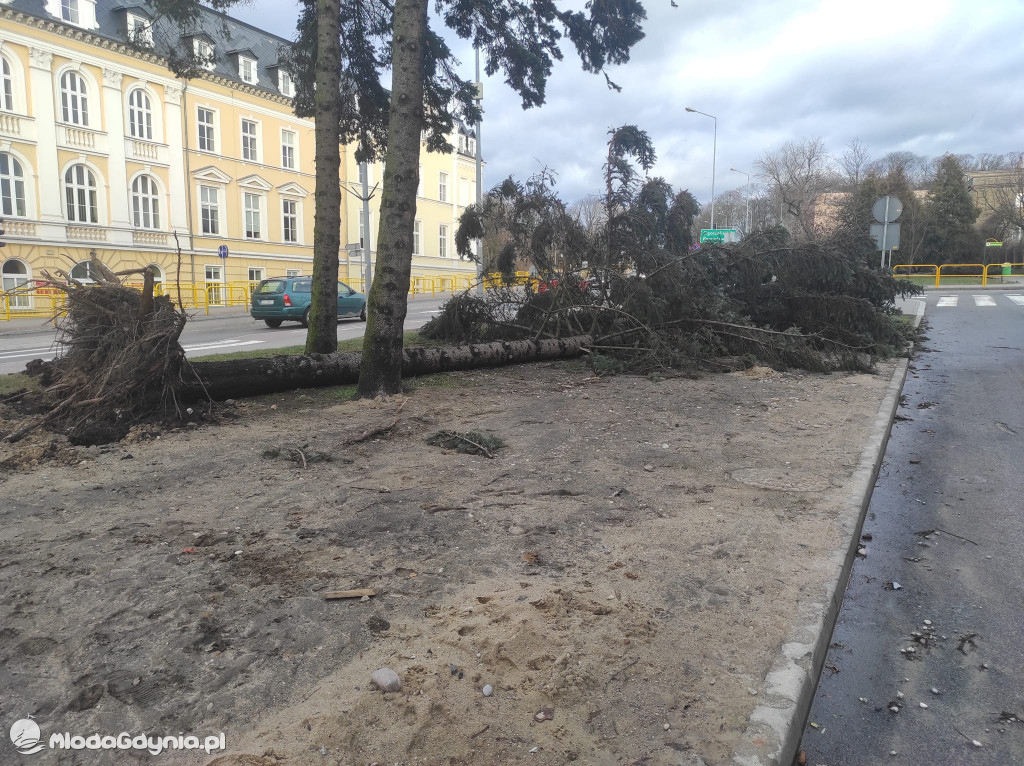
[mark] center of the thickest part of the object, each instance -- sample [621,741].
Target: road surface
[233,330]
[944,542]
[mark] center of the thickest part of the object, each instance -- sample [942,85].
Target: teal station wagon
[287,298]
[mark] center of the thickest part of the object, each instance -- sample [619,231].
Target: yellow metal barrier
[22,303]
[48,302]
[978,271]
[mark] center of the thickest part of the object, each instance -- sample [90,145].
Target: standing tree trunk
[381,370]
[322,335]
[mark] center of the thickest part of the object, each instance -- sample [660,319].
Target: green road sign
[719,235]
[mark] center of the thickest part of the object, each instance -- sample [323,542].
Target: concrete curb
[775,728]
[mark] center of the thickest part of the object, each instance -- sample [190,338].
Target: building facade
[103,150]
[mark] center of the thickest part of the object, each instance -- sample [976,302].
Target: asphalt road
[229,329]
[946,525]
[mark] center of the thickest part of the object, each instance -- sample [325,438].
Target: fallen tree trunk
[267,375]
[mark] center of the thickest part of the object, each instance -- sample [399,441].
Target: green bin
[1006,269]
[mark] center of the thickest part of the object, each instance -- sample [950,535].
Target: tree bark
[322,335]
[267,375]
[387,303]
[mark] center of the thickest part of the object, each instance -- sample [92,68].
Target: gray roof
[228,34]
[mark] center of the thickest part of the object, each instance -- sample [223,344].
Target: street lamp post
[479,98]
[747,195]
[714,157]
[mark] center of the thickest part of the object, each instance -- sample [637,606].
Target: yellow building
[104,150]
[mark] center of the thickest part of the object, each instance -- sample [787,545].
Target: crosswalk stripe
[1018,299]
[984,300]
[947,300]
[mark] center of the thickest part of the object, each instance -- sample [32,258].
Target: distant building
[995,188]
[103,149]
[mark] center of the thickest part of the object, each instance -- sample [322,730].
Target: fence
[965,273]
[48,302]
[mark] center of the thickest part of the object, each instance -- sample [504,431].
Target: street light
[747,195]
[714,153]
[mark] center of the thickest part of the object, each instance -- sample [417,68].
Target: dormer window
[81,13]
[285,83]
[204,52]
[139,29]
[69,11]
[247,69]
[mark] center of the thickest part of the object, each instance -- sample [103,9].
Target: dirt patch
[626,563]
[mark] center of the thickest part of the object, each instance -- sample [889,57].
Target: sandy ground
[627,564]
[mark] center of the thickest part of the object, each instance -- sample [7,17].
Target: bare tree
[854,162]
[917,168]
[798,173]
[1003,200]
[590,213]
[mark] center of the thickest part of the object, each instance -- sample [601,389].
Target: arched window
[6,86]
[158,272]
[80,193]
[15,274]
[74,99]
[140,115]
[82,272]
[12,186]
[145,203]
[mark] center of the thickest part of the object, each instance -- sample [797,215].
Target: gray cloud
[928,76]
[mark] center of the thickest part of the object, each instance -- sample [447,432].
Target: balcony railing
[74,137]
[149,237]
[87,233]
[146,151]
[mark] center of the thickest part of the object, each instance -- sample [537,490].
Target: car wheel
[273,322]
[362,314]
[305,319]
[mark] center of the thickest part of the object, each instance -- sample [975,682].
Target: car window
[270,286]
[302,286]
[343,288]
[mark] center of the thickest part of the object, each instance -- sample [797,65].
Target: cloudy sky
[928,76]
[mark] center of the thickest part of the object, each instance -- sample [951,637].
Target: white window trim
[259,140]
[18,80]
[295,149]
[216,129]
[135,22]
[30,186]
[92,92]
[293,273]
[442,183]
[417,237]
[154,111]
[300,239]
[161,198]
[262,196]
[242,61]
[281,74]
[86,13]
[262,271]
[218,266]
[446,237]
[221,195]
[102,218]
[209,65]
